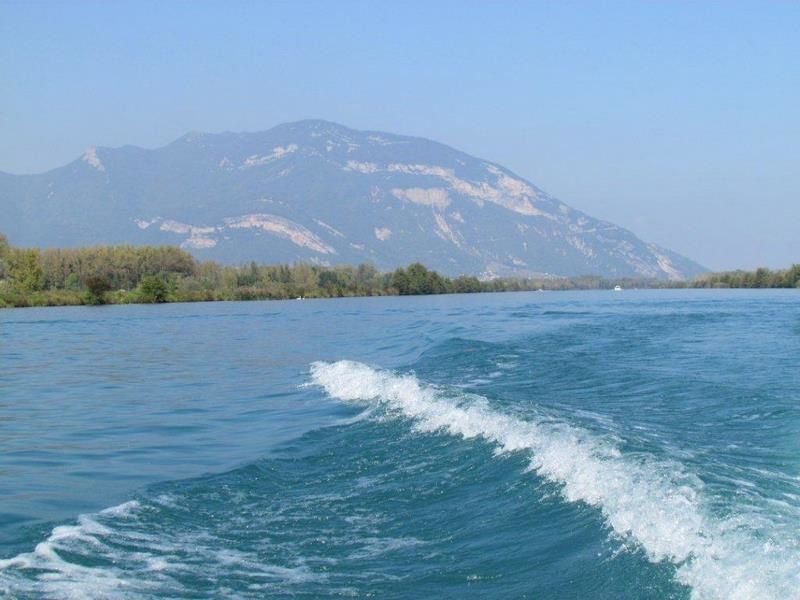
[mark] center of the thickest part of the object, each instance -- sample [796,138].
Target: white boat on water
[617,288]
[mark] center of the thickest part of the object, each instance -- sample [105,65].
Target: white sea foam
[60,578]
[56,569]
[652,502]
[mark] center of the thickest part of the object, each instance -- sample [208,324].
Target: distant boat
[617,288]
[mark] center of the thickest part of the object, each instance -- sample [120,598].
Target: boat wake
[655,503]
[115,555]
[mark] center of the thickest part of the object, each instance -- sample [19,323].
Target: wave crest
[655,503]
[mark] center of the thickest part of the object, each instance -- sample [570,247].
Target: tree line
[133,274]
[760,278]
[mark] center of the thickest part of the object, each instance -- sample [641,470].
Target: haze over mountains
[320,192]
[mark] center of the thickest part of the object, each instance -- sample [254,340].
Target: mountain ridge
[317,191]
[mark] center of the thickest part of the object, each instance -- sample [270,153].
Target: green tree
[761,278]
[400,281]
[25,270]
[249,276]
[466,285]
[304,278]
[4,251]
[153,289]
[72,282]
[330,283]
[423,281]
[96,288]
[418,279]
[794,276]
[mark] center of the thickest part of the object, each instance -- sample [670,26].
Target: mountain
[317,191]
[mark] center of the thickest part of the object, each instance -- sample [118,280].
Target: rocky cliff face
[317,191]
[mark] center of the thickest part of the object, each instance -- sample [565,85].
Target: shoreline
[31,277]
[352,297]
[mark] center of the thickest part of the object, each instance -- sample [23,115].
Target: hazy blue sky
[679,120]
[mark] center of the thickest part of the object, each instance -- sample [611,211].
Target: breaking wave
[652,502]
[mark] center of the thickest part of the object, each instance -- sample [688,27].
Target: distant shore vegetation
[153,274]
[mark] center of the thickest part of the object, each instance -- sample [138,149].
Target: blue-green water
[642,444]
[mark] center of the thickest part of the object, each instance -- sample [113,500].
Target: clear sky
[678,120]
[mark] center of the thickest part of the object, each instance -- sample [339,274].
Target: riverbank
[158,274]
